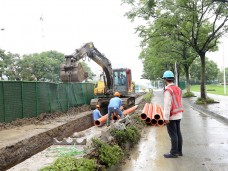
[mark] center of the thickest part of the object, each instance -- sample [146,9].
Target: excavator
[114,79]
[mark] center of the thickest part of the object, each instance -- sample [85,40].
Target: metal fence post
[49,98]
[74,94]
[83,93]
[67,97]
[58,100]
[36,98]
[4,108]
[22,100]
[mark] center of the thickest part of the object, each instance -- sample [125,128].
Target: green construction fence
[182,85]
[29,99]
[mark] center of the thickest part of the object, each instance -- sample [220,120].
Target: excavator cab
[122,81]
[123,84]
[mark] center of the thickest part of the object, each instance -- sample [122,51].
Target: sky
[67,24]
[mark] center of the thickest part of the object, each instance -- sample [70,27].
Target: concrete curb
[201,109]
[209,113]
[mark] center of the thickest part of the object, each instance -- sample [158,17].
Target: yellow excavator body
[99,87]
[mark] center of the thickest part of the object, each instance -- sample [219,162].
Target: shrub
[137,121]
[107,155]
[205,101]
[71,163]
[147,97]
[188,94]
[129,135]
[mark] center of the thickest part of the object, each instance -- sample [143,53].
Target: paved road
[205,145]
[216,108]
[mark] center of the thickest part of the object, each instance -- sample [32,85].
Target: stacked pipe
[153,114]
[103,119]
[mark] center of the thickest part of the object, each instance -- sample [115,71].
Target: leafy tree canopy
[212,70]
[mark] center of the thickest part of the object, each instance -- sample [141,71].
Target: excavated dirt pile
[43,117]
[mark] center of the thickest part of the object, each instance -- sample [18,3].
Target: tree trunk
[203,77]
[186,69]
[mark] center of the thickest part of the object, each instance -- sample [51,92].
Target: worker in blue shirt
[114,106]
[97,113]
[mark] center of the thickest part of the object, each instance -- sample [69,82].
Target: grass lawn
[211,89]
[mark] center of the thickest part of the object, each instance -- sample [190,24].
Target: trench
[14,154]
[24,148]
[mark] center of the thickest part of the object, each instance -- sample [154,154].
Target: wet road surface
[205,145]
[217,108]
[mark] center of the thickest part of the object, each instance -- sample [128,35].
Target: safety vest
[176,94]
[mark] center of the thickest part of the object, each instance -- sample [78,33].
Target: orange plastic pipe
[145,111]
[160,122]
[153,120]
[162,114]
[115,117]
[149,114]
[125,112]
[130,110]
[157,112]
[101,120]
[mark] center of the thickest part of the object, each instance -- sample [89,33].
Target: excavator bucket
[73,72]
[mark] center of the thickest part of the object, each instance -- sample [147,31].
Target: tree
[5,61]
[221,75]
[33,67]
[14,69]
[41,66]
[196,29]
[197,23]
[211,70]
[166,46]
[87,69]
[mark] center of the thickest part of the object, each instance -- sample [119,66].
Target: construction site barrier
[19,99]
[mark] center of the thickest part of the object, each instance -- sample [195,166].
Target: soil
[43,117]
[50,154]
[24,138]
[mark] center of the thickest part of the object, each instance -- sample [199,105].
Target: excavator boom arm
[88,50]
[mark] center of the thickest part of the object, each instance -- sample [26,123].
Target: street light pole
[224,72]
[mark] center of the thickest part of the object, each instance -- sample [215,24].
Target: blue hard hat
[168,74]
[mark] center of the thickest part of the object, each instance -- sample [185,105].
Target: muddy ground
[43,118]
[26,137]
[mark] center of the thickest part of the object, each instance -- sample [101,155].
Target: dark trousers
[174,131]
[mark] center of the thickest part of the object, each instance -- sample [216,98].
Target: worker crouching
[97,113]
[114,107]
